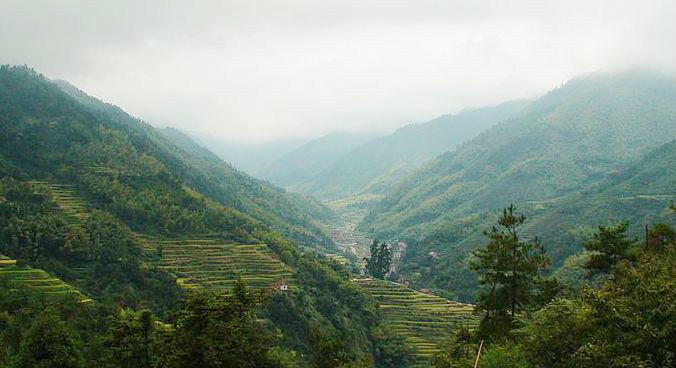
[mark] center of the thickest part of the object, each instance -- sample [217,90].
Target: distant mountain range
[249,157]
[304,163]
[341,164]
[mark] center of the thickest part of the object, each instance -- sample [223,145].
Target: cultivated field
[37,280]
[424,320]
[198,262]
[214,264]
[72,204]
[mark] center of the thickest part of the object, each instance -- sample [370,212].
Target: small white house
[283,287]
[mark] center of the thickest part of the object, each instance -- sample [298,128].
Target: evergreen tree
[609,246]
[381,259]
[510,268]
[131,340]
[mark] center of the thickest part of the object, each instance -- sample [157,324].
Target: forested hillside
[305,162]
[564,143]
[108,205]
[378,164]
[293,215]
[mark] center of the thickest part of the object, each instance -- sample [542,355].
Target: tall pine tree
[510,269]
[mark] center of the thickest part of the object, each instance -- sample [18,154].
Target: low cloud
[263,70]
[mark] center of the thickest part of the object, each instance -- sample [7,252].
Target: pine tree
[609,246]
[510,268]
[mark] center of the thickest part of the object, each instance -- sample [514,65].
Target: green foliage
[504,356]
[391,349]
[556,332]
[608,247]
[570,160]
[49,343]
[216,331]
[509,268]
[660,238]
[377,165]
[100,254]
[134,340]
[379,264]
[628,321]
[459,352]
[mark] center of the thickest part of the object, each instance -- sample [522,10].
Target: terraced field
[37,280]
[424,320]
[70,201]
[213,264]
[202,262]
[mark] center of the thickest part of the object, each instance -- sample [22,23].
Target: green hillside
[377,164]
[296,216]
[216,265]
[292,215]
[305,162]
[640,194]
[562,144]
[37,280]
[424,320]
[112,207]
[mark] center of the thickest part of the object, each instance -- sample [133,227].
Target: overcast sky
[262,70]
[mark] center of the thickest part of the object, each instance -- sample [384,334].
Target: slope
[640,194]
[382,160]
[560,145]
[308,160]
[424,320]
[249,157]
[204,171]
[37,280]
[83,191]
[296,216]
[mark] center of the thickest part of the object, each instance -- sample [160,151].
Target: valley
[541,211]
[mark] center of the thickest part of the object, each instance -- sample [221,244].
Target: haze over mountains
[311,159]
[437,185]
[564,143]
[338,184]
[598,150]
[362,165]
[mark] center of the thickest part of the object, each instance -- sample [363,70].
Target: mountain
[305,162]
[562,144]
[293,215]
[249,157]
[640,194]
[378,163]
[107,204]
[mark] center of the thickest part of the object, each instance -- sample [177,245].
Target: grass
[50,287]
[424,320]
